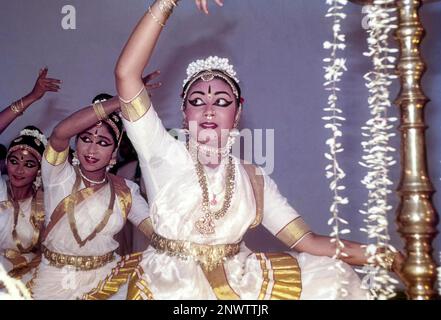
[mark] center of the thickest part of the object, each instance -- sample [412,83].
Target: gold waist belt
[207,256]
[83,263]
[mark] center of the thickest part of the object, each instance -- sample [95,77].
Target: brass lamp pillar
[417,218]
[416,215]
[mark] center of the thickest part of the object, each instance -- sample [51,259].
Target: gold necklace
[205,225]
[71,215]
[36,219]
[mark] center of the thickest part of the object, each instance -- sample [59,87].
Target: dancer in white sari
[21,204]
[85,208]
[203,200]
[21,195]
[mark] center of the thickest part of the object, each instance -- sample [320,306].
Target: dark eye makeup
[197,102]
[221,102]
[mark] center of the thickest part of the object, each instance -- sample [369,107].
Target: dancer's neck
[22,193]
[93,177]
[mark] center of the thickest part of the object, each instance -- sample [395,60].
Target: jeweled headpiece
[207,70]
[30,139]
[211,63]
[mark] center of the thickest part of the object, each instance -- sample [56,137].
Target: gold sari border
[258,185]
[219,283]
[283,272]
[119,275]
[138,288]
[123,194]
[19,271]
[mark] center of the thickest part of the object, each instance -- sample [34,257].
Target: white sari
[10,256]
[53,282]
[175,200]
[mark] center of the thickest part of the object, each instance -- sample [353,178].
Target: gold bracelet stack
[99,111]
[166,7]
[17,107]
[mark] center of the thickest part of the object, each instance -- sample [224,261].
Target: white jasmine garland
[14,289]
[334,67]
[211,63]
[35,134]
[377,153]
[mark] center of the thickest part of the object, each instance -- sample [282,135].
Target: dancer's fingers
[199,5]
[43,73]
[205,6]
[153,85]
[51,80]
[151,76]
[51,88]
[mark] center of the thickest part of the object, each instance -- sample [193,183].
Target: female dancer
[203,200]
[21,198]
[86,207]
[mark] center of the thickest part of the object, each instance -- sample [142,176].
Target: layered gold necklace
[36,219]
[205,225]
[71,212]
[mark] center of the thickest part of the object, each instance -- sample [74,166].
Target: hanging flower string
[13,289]
[334,67]
[377,153]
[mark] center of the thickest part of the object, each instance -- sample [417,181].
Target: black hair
[32,142]
[3,152]
[101,97]
[113,117]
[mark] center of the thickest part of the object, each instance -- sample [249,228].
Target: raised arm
[139,48]
[16,109]
[88,116]
[80,121]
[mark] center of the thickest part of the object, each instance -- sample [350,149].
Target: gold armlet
[293,232]
[54,157]
[134,109]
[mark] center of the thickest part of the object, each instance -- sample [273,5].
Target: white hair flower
[211,63]
[35,134]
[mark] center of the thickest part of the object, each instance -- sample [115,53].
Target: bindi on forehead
[23,154]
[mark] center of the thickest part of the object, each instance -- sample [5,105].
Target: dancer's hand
[397,266]
[150,77]
[44,84]
[203,4]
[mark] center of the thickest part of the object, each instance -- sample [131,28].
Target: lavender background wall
[276,47]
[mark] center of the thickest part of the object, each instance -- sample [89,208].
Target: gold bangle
[166,7]
[99,111]
[16,109]
[155,18]
[134,109]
